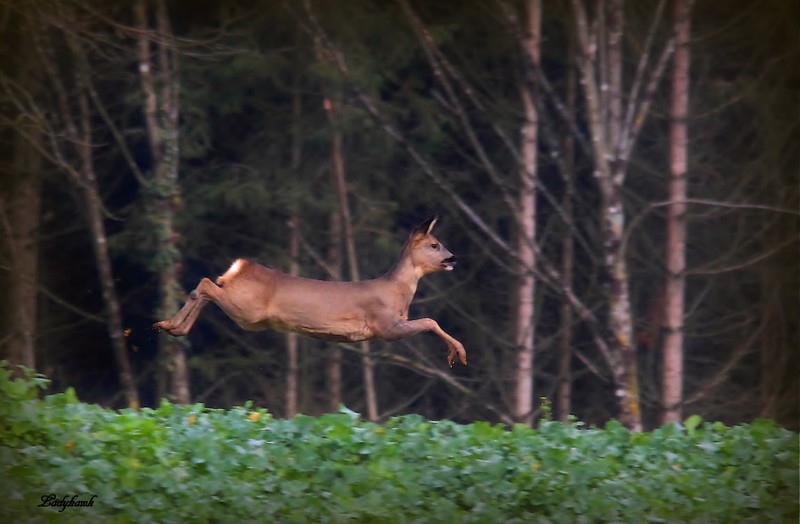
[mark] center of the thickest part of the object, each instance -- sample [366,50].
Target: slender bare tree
[563,402]
[672,366]
[526,239]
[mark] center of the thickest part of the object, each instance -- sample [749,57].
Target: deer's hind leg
[183,321]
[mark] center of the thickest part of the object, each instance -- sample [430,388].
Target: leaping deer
[259,298]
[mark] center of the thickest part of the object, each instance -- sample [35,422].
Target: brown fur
[259,298]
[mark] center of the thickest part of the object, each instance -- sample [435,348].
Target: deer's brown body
[259,298]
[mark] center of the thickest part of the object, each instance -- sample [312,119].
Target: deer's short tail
[232,272]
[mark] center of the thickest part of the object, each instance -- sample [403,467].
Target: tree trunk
[367,366]
[23,246]
[563,402]
[672,365]
[341,233]
[20,215]
[524,336]
[291,338]
[292,348]
[161,117]
[624,368]
[623,364]
[94,210]
[333,370]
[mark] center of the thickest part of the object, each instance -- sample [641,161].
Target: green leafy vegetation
[196,464]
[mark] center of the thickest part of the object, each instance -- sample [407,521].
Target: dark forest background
[145,145]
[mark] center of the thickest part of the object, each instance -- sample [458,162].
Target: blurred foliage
[195,464]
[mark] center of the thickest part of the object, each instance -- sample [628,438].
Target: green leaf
[691,423]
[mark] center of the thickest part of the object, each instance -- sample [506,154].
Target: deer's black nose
[449,263]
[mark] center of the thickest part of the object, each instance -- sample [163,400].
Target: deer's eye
[435,246]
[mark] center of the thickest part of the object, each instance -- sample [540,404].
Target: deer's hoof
[165,325]
[457,351]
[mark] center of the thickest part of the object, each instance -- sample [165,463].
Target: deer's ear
[425,228]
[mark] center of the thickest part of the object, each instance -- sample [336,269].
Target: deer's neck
[405,276]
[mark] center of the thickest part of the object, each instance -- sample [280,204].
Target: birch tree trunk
[623,363]
[600,67]
[159,82]
[672,365]
[624,366]
[524,336]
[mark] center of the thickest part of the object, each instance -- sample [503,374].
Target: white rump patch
[231,272]
[235,267]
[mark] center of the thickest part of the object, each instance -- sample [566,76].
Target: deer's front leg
[406,328]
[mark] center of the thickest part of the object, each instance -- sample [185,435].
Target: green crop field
[195,464]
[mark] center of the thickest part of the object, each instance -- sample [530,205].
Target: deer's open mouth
[449,263]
